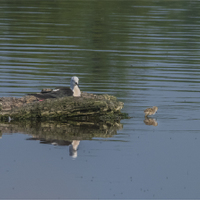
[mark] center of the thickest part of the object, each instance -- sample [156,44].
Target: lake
[146,53]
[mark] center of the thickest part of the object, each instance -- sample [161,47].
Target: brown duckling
[150,111]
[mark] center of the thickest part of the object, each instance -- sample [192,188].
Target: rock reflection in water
[67,134]
[150,121]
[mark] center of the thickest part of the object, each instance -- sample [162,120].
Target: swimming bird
[58,92]
[150,111]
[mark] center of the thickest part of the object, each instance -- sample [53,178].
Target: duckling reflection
[73,148]
[150,121]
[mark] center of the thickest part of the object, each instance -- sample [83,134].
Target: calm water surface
[145,53]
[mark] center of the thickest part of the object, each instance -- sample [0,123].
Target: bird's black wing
[57,93]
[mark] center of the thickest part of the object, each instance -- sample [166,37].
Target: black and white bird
[58,92]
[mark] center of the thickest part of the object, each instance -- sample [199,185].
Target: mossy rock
[87,107]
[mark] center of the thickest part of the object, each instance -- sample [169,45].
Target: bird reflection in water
[150,121]
[73,148]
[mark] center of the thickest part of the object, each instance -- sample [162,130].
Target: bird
[58,92]
[150,111]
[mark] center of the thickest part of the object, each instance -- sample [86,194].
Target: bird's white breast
[77,92]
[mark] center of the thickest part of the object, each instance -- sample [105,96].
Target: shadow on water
[62,134]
